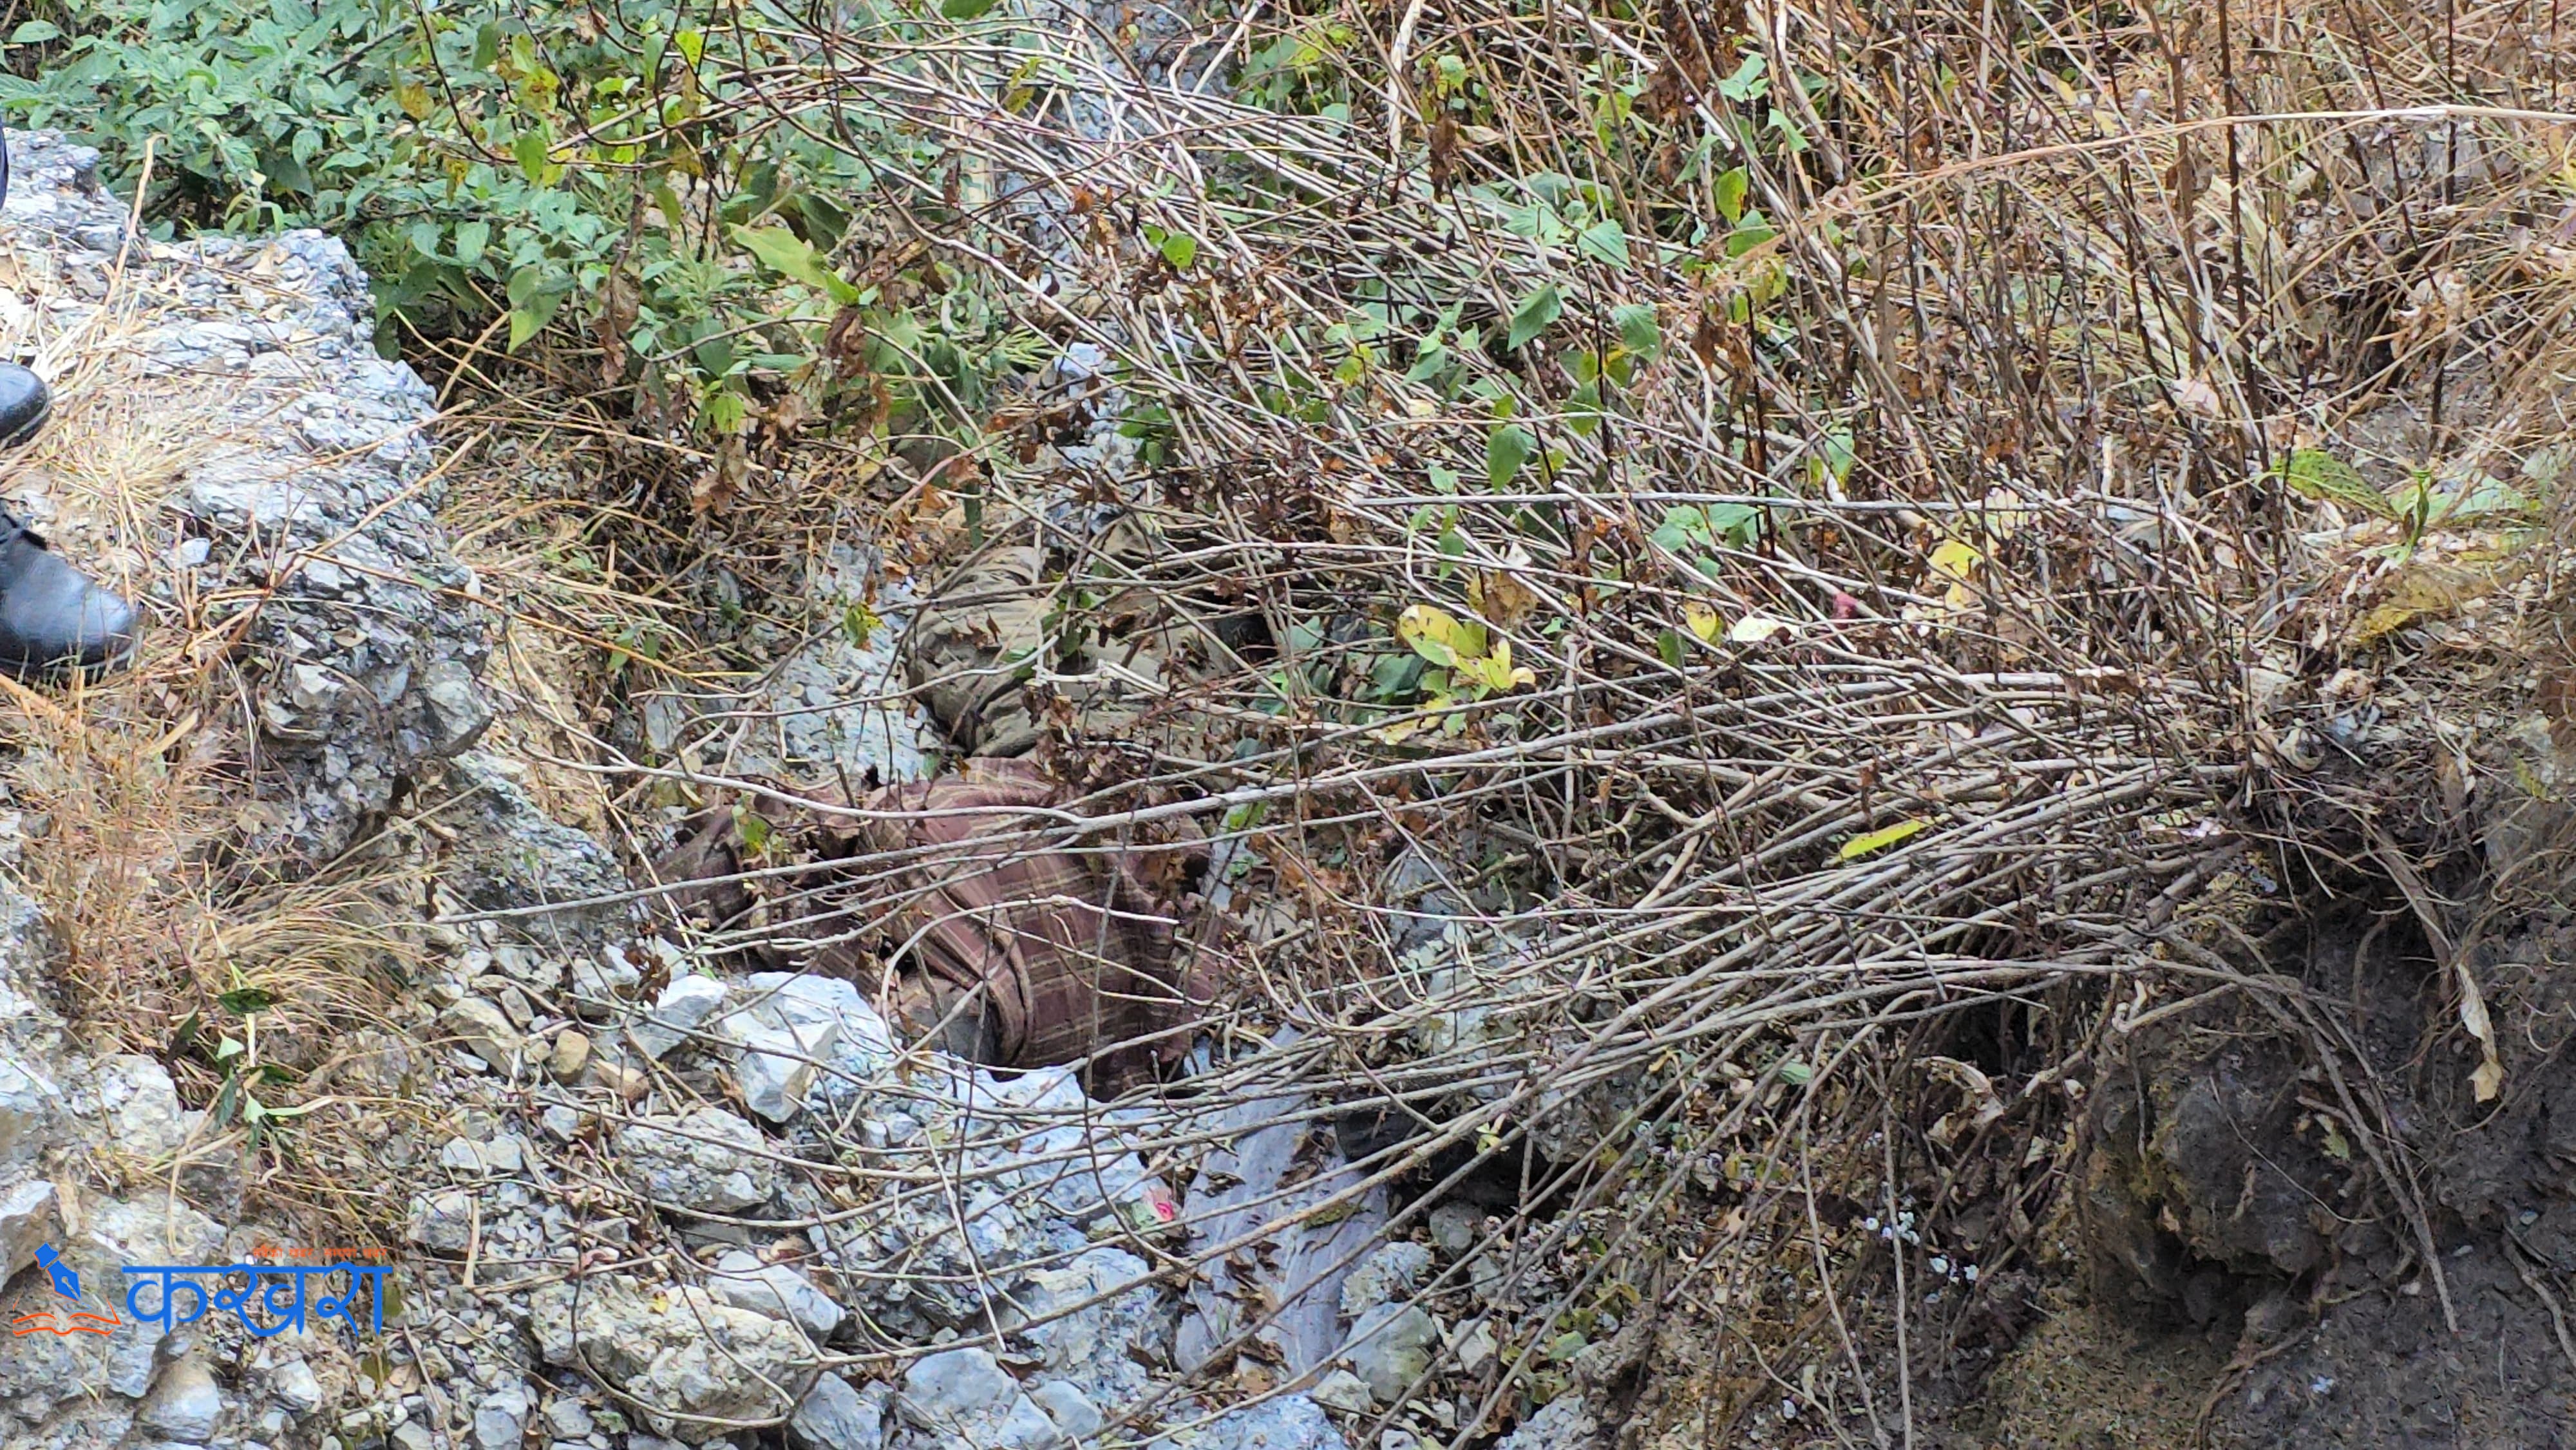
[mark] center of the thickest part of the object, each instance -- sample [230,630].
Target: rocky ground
[636,1197]
[641,1202]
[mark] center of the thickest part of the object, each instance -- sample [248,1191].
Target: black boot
[52,616]
[24,398]
[25,402]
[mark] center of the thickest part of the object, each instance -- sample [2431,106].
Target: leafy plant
[1466,663]
[600,180]
[1697,531]
[238,1060]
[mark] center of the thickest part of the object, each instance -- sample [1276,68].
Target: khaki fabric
[972,649]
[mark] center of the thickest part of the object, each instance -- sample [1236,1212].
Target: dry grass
[131,792]
[2054,296]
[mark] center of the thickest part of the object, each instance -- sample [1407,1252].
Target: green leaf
[1180,249]
[1796,1072]
[35,32]
[2487,497]
[471,238]
[530,152]
[692,43]
[487,46]
[754,831]
[1506,449]
[724,414]
[2317,474]
[1683,525]
[1604,241]
[1882,838]
[1639,332]
[1535,315]
[1732,184]
[859,624]
[524,324]
[424,239]
[1748,83]
[1733,523]
[243,1001]
[790,255]
[1670,646]
[965,9]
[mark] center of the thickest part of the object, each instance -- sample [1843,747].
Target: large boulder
[683,1356]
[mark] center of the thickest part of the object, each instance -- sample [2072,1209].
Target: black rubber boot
[25,403]
[53,617]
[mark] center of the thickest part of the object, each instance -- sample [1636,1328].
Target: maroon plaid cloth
[1067,947]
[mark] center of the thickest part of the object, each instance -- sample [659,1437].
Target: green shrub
[545,170]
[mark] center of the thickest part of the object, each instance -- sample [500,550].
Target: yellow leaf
[1438,636]
[1882,838]
[1703,621]
[2488,1080]
[1495,671]
[1399,732]
[1425,621]
[1955,559]
[1755,628]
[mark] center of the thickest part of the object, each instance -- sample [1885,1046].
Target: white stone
[27,1220]
[141,1107]
[500,1418]
[1476,1347]
[442,1221]
[707,1162]
[778,1290]
[500,1155]
[682,1009]
[184,1404]
[567,1417]
[833,1416]
[952,1385]
[26,1113]
[1344,1391]
[483,1029]
[1390,1271]
[1071,1409]
[1391,1347]
[778,1064]
[296,1387]
[861,1045]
